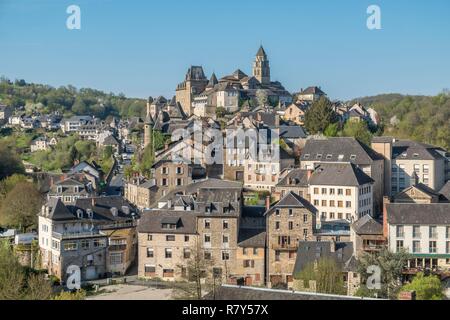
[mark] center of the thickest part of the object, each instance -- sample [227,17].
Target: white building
[340,191]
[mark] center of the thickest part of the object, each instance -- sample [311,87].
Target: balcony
[118,225]
[117,247]
[77,235]
[284,246]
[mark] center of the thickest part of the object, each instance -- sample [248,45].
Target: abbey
[200,96]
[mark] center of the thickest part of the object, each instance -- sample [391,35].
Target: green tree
[358,130]
[20,206]
[391,265]
[9,162]
[327,275]
[12,277]
[319,116]
[332,130]
[426,287]
[67,295]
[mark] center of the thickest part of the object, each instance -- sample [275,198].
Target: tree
[332,130]
[7,184]
[20,206]
[199,273]
[358,130]
[9,162]
[39,288]
[327,275]
[391,266]
[67,295]
[12,277]
[262,98]
[426,287]
[319,116]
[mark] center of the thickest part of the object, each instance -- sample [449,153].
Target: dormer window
[306,157]
[59,189]
[340,157]
[329,156]
[319,156]
[353,157]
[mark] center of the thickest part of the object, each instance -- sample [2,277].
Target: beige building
[406,161]
[195,83]
[295,113]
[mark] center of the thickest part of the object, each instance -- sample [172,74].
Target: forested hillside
[421,118]
[68,100]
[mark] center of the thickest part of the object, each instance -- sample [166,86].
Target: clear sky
[144,48]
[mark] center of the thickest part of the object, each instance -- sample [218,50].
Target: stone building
[289,221]
[195,83]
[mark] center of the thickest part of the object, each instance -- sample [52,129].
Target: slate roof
[311,251]
[417,213]
[368,225]
[110,141]
[296,177]
[411,150]
[293,200]
[230,292]
[292,132]
[151,222]
[101,208]
[312,90]
[252,238]
[339,174]
[253,211]
[261,52]
[340,149]
[445,191]
[58,211]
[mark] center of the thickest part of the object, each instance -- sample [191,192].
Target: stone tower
[195,83]
[261,68]
[148,124]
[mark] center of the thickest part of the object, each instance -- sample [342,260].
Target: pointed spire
[213,81]
[261,52]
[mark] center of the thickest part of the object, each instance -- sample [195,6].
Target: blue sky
[144,48]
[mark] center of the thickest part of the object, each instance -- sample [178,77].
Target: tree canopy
[319,116]
[426,287]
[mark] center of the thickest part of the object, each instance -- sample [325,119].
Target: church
[200,96]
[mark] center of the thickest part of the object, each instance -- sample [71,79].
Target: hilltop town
[135,197]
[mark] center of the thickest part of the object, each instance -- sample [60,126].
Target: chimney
[309,173]
[277,120]
[267,203]
[333,245]
[93,202]
[169,204]
[386,201]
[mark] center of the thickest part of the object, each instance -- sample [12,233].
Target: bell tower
[261,68]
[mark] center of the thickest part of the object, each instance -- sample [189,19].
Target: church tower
[261,68]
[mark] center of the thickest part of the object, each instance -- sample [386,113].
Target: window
[179,182]
[165,170]
[244,251]
[432,247]
[179,170]
[277,212]
[331,215]
[225,239]
[249,263]
[207,255]
[305,218]
[149,237]
[116,258]
[85,244]
[255,251]
[340,204]
[291,213]
[332,204]
[99,243]
[416,246]
[433,232]
[186,253]
[186,238]
[324,203]
[305,233]
[316,202]
[400,232]
[399,245]
[168,253]
[55,244]
[207,224]
[277,225]
[225,255]
[277,255]
[149,270]
[426,169]
[348,192]
[150,253]
[291,225]
[447,247]
[70,246]
[324,190]
[332,191]
[416,232]
[340,216]
[340,192]
[447,232]
[316,190]
[348,204]
[225,224]
[207,238]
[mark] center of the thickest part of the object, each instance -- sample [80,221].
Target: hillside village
[124,194]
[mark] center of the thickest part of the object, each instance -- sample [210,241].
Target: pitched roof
[412,150]
[418,213]
[293,132]
[58,211]
[367,225]
[252,238]
[445,191]
[311,251]
[110,140]
[293,200]
[151,222]
[295,177]
[338,149]
[339,174]
[312,90]
[212,81]
[102,208]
